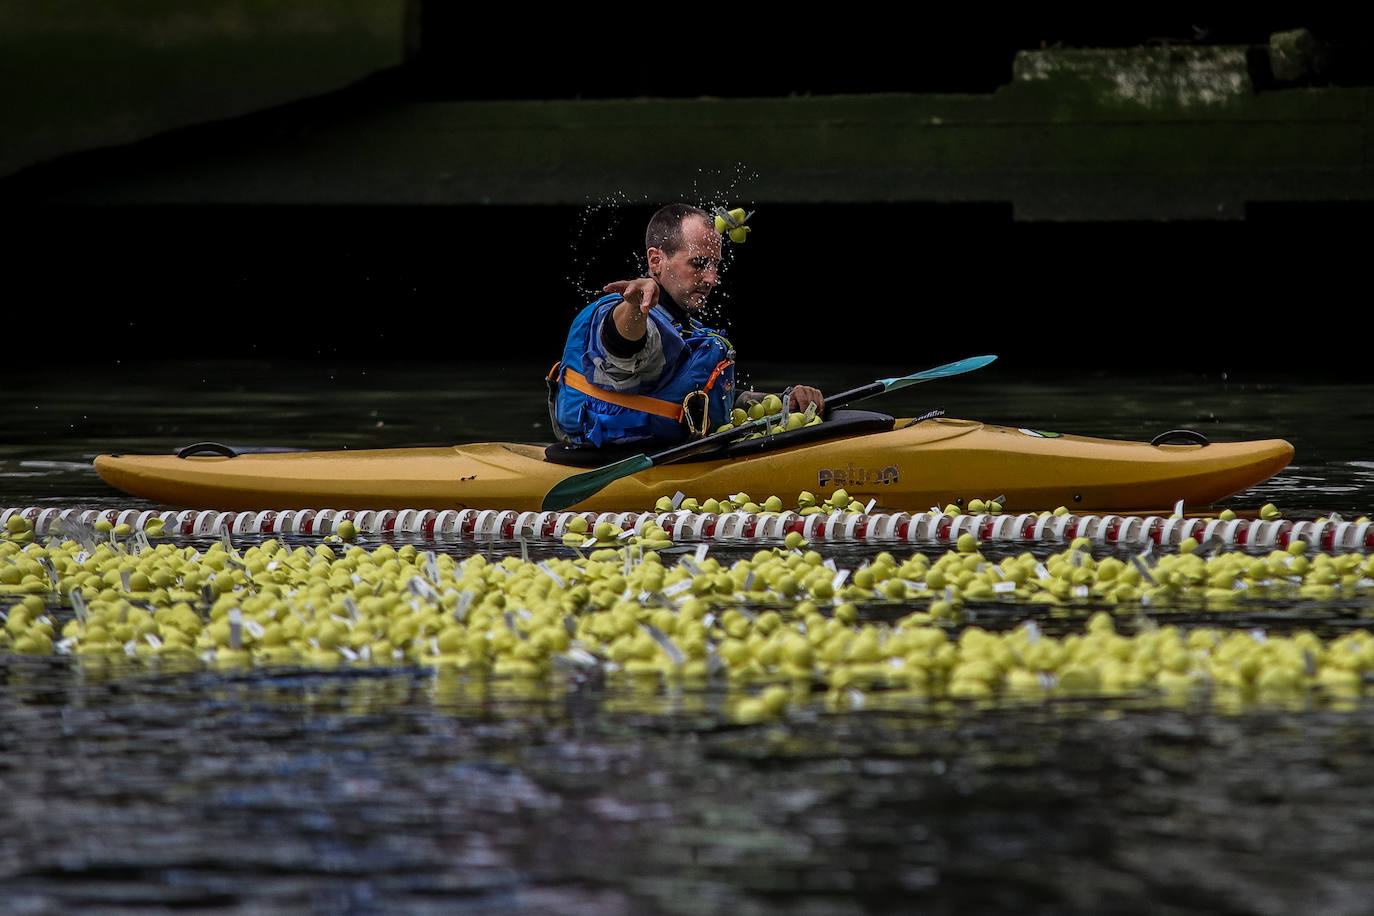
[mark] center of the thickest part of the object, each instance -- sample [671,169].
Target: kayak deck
[909,467]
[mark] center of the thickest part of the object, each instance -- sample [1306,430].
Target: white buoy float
[489,524]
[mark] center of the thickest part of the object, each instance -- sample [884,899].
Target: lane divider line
[508,524]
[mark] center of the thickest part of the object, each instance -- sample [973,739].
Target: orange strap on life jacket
[640,402]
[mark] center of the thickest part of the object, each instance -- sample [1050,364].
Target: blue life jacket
[698,369]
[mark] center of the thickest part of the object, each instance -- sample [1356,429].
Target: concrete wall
[1146,133]
[87,74]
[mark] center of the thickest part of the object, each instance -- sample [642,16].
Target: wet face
[693,271]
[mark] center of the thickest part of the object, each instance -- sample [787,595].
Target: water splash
[599,238]
[613,224]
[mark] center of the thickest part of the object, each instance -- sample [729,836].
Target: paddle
[572,490]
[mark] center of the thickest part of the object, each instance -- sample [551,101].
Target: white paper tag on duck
[235,629]
[548,571]
[460,610]
[422,589]
[677,587]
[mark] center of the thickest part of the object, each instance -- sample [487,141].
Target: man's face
[690,274]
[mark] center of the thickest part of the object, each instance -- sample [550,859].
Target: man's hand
[804,395]
[630,316]
[642,292]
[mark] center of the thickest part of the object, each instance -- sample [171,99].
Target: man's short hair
[665,227]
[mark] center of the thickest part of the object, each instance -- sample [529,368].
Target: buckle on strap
[694,428]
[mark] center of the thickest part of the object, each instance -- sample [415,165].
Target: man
[637,364]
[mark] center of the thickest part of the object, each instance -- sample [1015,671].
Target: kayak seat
[840,423]
[221,450]
[586,456]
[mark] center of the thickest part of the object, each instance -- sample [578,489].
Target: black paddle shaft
[697,446]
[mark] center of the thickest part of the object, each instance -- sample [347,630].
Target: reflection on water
[400,792]
[407,790]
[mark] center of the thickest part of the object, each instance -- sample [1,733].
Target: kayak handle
[1187,435]
[928,415]
[207,448]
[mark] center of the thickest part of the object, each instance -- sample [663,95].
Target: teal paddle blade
[955,368]
[572,490]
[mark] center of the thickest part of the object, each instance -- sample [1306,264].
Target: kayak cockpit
[841,424]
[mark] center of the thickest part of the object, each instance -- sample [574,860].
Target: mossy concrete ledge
[1146,133]
[86,74]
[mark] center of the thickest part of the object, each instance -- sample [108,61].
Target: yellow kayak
[902,466]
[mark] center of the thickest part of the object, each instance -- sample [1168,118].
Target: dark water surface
[59,419]
[410,791]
